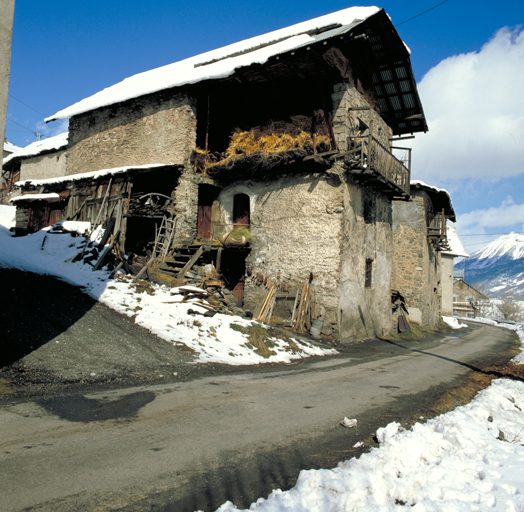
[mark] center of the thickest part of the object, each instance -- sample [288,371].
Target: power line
[28,106]
[34,109]
[434,7]
[22,126]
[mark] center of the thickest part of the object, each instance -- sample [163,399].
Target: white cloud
[475,111]
[50,130]
[481,226]
[507,214]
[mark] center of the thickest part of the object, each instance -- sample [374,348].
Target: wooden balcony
[371,159]
[437,232]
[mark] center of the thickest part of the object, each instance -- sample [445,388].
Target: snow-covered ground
[213,339]
[471,459]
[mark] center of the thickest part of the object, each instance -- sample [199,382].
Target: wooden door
[206,196]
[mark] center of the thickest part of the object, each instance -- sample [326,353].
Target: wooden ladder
[163,240]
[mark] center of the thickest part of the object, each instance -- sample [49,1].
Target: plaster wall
[159,128]
[447,284]
[416,271]
[312,224]
[40,167]
[296,222]
[365,312]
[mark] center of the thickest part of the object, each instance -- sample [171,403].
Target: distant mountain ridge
[499,267]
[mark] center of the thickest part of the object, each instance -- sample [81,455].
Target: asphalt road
[168,445]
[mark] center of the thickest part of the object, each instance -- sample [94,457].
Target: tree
[509,306]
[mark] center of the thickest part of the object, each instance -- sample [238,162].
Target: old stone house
[42,159]
[286,135]
[467,301]
[419,238]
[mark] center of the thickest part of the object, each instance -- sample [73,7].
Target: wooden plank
[191,262]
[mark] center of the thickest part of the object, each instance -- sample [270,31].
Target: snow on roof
[10,147]
[221,62]
[85,175]
[430,188]
[34,197]
[456,248]
[40,146]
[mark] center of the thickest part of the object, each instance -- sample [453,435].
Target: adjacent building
[419,239]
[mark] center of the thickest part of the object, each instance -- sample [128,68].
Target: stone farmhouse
[42,159]
[270,159]
[467,301]
[419,239]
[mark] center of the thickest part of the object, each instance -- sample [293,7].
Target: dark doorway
[241,215]
[233,269]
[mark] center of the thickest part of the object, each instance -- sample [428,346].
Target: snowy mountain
[499,267]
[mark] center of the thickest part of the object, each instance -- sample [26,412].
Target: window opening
[369,273]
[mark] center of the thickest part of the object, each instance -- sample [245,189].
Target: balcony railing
[374,156]
[437,234]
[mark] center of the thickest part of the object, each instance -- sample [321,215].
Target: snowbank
[468,459]
[453,322]
[222,338]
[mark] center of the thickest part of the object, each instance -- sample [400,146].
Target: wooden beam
[191,262]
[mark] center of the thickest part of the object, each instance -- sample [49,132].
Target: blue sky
[471,78]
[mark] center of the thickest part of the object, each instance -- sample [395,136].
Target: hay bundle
[280,136]
[259,146]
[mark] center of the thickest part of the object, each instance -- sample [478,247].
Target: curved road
[193,445]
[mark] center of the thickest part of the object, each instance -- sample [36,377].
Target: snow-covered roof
[222,62]
[456,248]
[34,197]
[84,175]
[442,193]
[40,146]
[10,147]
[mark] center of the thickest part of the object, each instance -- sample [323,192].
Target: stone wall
[365,312]
[447,284]
[466,293]
[416,271]
[158,128]
[40,167]
[296,222]
[312,224]
[186,206]
[345,122]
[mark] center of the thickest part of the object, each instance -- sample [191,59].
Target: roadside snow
[453,322]
[212,339]
[470,459]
